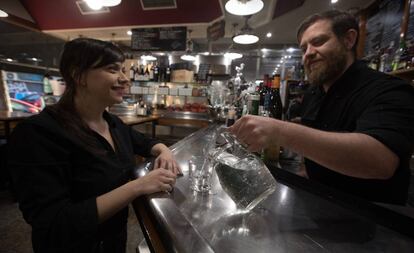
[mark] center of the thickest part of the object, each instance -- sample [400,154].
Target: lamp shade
[3,14]
[244,7]
[188,57]
[94,4]
[233,55]
[148,58]
[110,3]
[245,38]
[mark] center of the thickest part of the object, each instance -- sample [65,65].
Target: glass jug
[242,175]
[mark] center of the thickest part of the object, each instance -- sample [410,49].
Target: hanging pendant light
[98,4]
[3,14]
[148,57]
[231,53]
[188,56]
[246,35]
[110,3]
[244,7]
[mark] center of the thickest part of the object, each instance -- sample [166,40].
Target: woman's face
[107,84]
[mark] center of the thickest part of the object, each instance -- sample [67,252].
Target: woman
[71,164]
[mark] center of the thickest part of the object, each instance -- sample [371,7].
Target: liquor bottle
[167,74]
[266,102]
[136,73]
[401,55]
[404,57]
[151,72]
[132,72]
[386,58]
[275,102]
[375,60]
[146,73]
[156,73]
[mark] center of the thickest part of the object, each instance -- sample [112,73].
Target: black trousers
[114,244]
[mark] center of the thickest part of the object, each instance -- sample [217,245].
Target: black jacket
[57,179]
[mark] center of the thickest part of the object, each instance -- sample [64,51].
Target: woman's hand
[155,181]
[165,159]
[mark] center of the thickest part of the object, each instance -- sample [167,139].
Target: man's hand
[256,132]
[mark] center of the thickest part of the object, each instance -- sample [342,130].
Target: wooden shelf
[407,74]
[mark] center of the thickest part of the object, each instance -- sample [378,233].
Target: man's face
[324,55]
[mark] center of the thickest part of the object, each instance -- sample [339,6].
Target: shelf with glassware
[172,99]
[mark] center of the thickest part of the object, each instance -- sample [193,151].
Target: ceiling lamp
[244,7]
[110,3]
[3,14]
[148,58]
[188,53]
[246,35]
[188,57]
[233,55]
[98,4]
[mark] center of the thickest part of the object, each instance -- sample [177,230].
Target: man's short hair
[341,22]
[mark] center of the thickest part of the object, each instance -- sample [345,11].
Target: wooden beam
[21,22]
[362,34]
[405,17]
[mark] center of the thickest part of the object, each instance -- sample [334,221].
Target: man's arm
[352,154]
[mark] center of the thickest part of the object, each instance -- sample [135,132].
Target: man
[359,131]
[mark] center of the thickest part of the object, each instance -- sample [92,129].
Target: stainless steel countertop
[289,220]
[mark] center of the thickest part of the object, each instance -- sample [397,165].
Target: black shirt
[57,180]
[373,103]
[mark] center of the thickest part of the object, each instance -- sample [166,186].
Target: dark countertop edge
[382,214]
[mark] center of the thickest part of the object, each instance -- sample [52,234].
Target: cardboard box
[185,91]
[136,90]
[173,91]
[217,69]
[182,76]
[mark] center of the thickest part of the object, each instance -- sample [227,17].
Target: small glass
[200,171]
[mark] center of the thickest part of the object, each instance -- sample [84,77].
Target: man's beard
[328,69]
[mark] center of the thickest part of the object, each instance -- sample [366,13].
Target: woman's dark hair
[341,22]
[79,56]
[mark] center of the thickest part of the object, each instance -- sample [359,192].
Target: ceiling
[61,20]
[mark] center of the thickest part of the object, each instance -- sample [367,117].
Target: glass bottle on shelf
[156,73]
[146,73]
[151,71]
[132,72]
[375,59]
[386,58]
[275,106]
[401,55]
[167,74]
[404,57]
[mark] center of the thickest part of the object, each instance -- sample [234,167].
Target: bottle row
[265,100]
[171,91]
[149,72]
[390,59]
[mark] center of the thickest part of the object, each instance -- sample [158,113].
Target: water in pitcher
[242,175]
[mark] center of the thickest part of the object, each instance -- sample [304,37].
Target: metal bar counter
[292,219]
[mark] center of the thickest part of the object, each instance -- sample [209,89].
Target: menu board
[384,26]
[159,39]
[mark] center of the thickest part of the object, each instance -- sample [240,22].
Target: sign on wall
[159,39]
